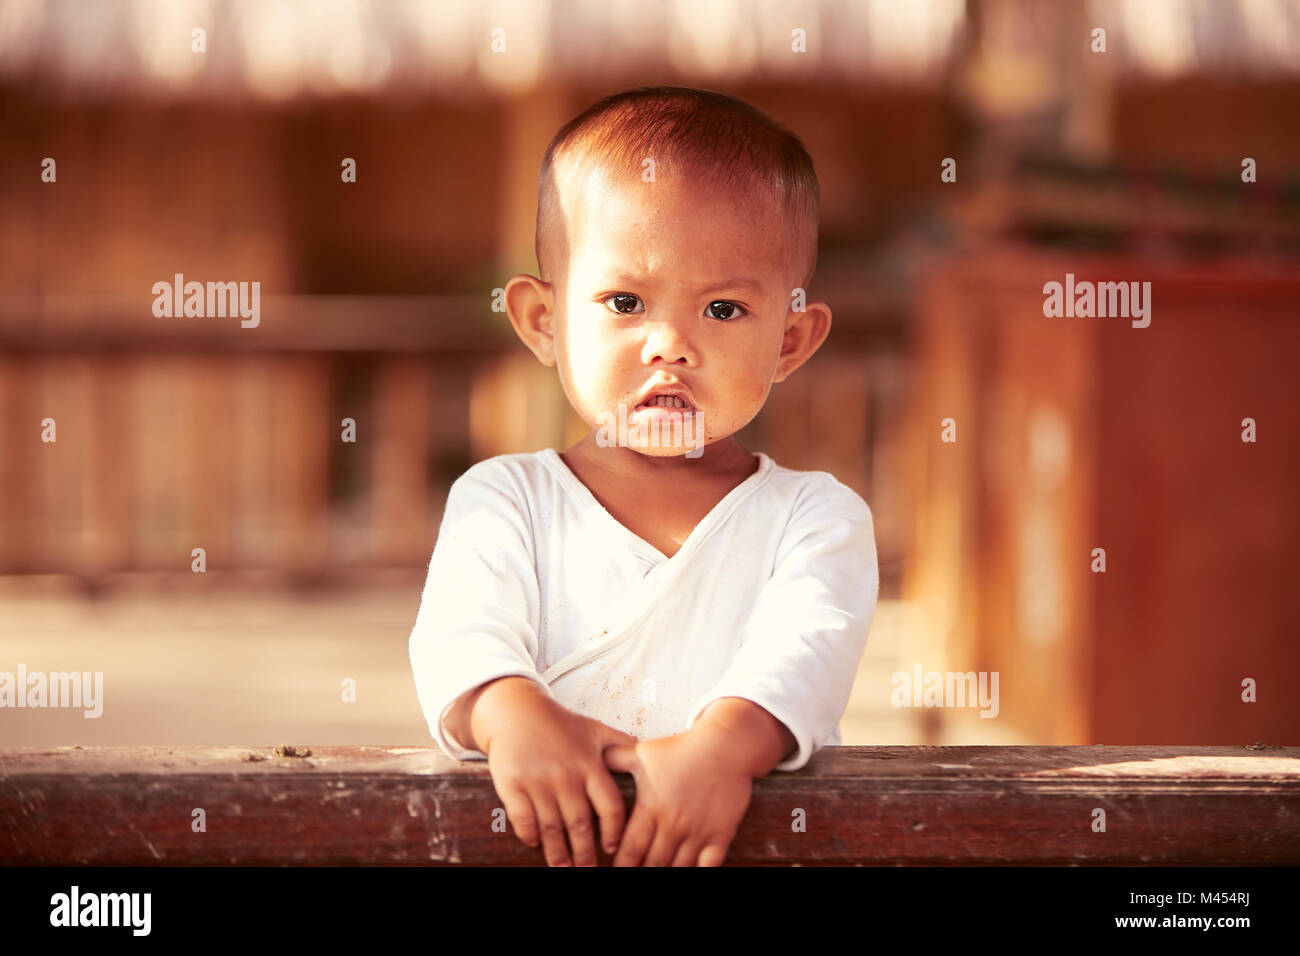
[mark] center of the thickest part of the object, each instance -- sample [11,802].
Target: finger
[640,832]
[615,736]
[519,811]
[688,854]
[620,757]
[551,825]
[610,808]
[576,813]
[662,849]
[714,854]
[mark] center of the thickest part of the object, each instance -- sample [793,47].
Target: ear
[804,333]
[530,303]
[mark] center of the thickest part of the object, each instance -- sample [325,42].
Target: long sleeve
[805,635]
[478,616]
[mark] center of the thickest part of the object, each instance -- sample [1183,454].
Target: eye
[730,310]
[623,303]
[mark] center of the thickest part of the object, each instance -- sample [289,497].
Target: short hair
[717,137]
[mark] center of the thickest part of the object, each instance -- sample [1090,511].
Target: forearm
[477,714]
[747,732]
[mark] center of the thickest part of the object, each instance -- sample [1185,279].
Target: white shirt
[770,598]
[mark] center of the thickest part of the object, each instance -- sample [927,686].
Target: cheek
[590,371]
[574,345]
[751,378]
[587,343]
[754,394]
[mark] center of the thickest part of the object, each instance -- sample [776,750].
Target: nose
[667,340]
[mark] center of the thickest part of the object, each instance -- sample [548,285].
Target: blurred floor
[237,664]
[870,720]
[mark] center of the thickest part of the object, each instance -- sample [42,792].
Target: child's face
[673,282]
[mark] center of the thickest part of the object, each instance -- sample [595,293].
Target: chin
[661,451]
[661,439]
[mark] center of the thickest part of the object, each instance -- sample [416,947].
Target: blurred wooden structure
[232,440]
[239,451]
[180,433]
[1081,433]
[1074,434]
[863,805]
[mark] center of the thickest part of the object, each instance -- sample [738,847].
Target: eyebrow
[736,282]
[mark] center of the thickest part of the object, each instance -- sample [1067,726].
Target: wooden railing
[850,805]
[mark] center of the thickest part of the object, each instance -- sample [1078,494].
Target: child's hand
[546,764]
[690,798]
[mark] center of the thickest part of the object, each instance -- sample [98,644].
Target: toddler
[654,599]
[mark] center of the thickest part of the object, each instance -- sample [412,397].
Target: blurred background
[224,164]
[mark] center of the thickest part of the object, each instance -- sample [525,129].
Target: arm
[479,609]
[475,716]
[474,654]
[806,633]
[779,700]
[756,739]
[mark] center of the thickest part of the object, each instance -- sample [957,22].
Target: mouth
[668,395]
[669,402]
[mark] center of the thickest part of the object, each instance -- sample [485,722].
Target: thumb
[621,757]
[612,735]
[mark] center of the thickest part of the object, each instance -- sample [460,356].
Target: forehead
[622,224]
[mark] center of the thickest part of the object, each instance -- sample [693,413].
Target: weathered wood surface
[861,805]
